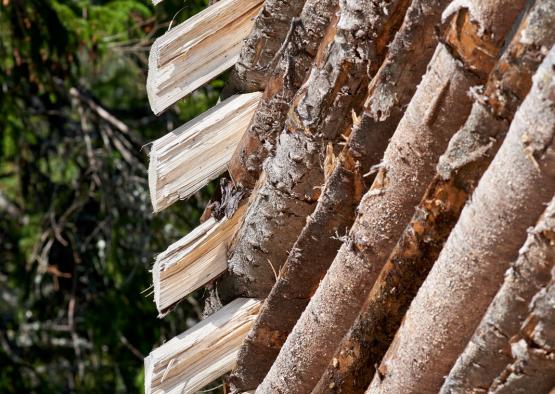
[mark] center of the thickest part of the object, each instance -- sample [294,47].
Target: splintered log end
[203,353]
[156,286]
[151,77]
[148,365]
[152,182]
[186,159]
[198,50]
[193,261]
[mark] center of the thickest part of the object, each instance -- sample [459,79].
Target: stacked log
[463,281]
[438,108]
[385,160]
[469,153]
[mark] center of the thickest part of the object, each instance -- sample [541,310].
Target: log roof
[382,164]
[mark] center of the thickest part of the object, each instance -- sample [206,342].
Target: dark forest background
[77,233]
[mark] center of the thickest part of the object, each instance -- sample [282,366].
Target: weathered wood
[198,50]
[293,64]
[337,83]
[193,261]
[201,354]
[186,159]
[390,91]
[532,368]
[437,110]
[280,72]
[469,153]
[263,44]
[492,227]
[488,352]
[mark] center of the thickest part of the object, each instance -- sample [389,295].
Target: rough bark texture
[384,211]
[437,110]
[469,153]
[255,61]
[314,250]
[488,352]
[293,63]
[453,298]
[532,369]
[337,84]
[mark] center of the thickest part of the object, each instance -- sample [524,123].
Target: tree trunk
[470,268]
[532,369]
[435,113]
[337,84]
[293,65]
[487,354]
[470,152]
[314,250]
[251,71]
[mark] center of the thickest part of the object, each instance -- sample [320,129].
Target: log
[186,159]
[262,46]
[469,153]
[293,64]
[201,354]
[532,369]
[463,281]
[488,353]
[314,250]
[437,110]
[337,83]
[193,261]
[197,50]
[287,71]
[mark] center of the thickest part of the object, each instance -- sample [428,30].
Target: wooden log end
[152,179]
[186,159]
[193,261]
[198,50]
[203,353]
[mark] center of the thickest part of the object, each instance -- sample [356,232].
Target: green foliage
[77,235]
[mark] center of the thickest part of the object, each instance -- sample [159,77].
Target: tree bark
[293,65]
[437,110]
[314,250]
[468,155]
[286,72]
[453,298]
[251,71]
[532,369]
[488,352]
[337,84]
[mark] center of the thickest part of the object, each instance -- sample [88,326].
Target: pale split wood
[193,261]
[201,354]
[186,159]
[198,50]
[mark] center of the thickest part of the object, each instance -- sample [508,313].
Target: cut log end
[152,164]
[201,354]
[186,159]
[193,261]
[198,50]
